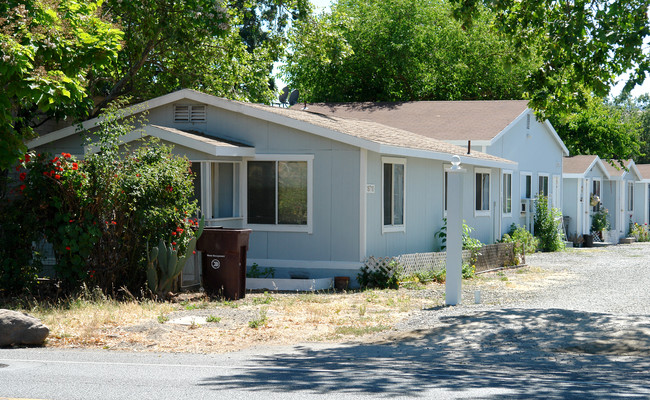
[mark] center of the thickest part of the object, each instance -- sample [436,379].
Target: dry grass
[259,318]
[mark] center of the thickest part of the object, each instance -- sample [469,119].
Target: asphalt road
[590,349]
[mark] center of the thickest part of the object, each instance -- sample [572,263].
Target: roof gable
[618,173]
[644,171]
[580,165]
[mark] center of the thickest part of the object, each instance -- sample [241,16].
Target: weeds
[260,321]
[212,318]
[266,299]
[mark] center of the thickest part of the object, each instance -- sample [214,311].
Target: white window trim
[207,189]
[488,212]
[445,169]
[392,228]
[309,228]
[522,182]
[503,200]
[630,200]
[548,183]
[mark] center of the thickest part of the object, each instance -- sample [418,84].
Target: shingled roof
[366,134]
[443,120]
[377,132]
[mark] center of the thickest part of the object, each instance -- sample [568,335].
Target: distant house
[583,178]
[642,195]
[506,129]
[620,192]
[320,192]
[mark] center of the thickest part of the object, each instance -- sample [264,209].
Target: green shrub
[99,213]
[523,240]
[600,220]
[640,232]
[385,276]
[547,225]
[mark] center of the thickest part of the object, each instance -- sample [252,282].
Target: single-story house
[505,128]
[320,192]
[619,193]
[642,194]
[583,178]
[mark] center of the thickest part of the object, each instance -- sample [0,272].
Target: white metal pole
[454,233]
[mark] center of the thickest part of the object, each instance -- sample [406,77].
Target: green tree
[609,130]
[584,44]
[226,48]
[641,109]
[403,50]
[47,49]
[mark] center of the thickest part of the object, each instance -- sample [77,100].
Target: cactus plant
[164,266]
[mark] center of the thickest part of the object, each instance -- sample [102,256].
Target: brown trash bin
[223,261]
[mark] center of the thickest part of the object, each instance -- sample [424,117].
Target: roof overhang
[210,146]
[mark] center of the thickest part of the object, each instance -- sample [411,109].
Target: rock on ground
[21,329]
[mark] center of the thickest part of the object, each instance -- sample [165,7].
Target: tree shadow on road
[517,353]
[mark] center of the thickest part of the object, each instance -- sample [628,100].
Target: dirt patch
[194,323]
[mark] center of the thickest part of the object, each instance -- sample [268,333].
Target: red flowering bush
[99,213]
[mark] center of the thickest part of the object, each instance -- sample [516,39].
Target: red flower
[72,220]
[174,243]
[22,187]
[55,159]
[17,167]
[169,188]
[67,248]
[75,166]
[173,233]
[57,176]
[23,176]
[113,222]
[179,230]
[138,175]
[46,173]
[27,158]
[66,155]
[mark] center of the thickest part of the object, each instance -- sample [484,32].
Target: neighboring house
[642,194]
[321,193]
[506,129]
[619,191]
[583,179]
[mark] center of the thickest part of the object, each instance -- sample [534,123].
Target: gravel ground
[600,306]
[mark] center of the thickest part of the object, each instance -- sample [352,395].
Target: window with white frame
[482,191]
[394,174]
[217,188]
[278,192]
[630,196]
[542,188]
[507,192]
[189,113]
[526,185]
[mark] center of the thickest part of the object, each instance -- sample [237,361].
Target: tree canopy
[583,44]
[380,50]
[46,51]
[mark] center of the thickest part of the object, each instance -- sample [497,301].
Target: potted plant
[600,221]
